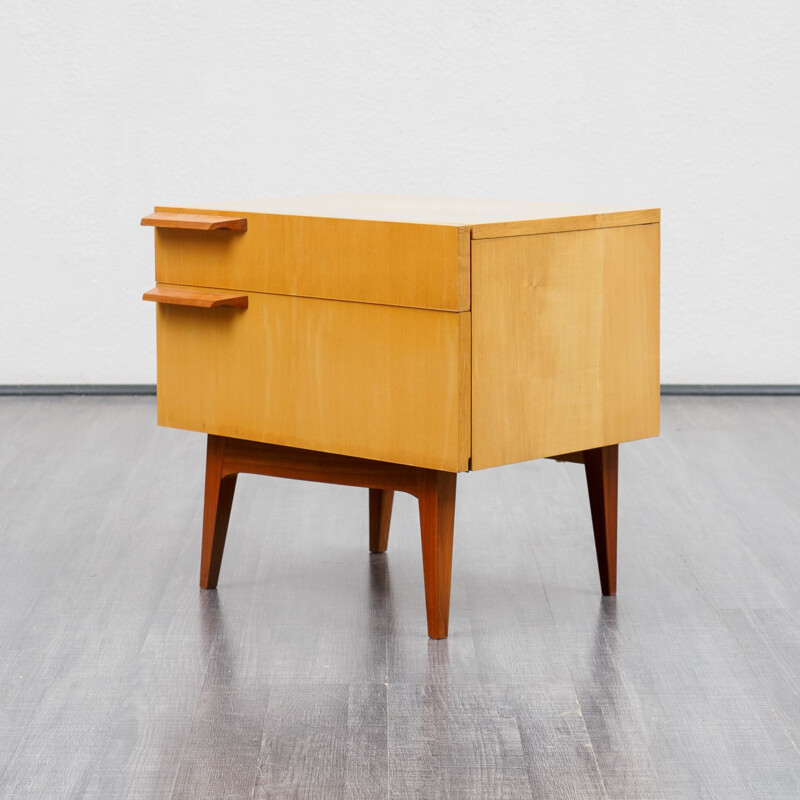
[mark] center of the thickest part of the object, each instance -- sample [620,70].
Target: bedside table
[393,342]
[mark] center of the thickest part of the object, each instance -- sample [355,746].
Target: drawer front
[373,381]
[390,263]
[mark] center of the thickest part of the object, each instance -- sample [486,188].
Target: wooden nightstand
[392,342]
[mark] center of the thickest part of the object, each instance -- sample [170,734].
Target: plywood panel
[565,342]
[392,263]
[378,382]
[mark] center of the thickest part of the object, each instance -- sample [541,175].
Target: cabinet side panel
[631,384]
[565,342]
[379,382]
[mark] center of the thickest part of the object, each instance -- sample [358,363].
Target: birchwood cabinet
[365,337]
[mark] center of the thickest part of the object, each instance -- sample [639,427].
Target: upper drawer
[389,263]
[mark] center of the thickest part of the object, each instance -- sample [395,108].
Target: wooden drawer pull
[195,222]
[199,298]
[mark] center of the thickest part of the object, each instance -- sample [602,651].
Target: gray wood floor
[309,674]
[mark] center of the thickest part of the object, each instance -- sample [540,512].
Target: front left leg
[216,511]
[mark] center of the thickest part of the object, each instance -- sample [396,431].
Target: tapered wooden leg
[380,516]
[601,477]
[437,503]
[216,512]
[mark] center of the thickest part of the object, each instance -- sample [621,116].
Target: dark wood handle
[195,222]
[198,298]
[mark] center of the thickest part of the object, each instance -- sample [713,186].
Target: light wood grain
[464,268]
[195,222]
[568,220]
[402,264]
[378,382]
[480,214]
[198,298]
[631,333]
[565,342]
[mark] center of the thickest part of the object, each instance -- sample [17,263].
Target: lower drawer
[380,382]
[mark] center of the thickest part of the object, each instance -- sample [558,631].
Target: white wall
[108,108]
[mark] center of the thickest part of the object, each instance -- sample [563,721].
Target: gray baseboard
[29,389]
[720,389]
[711,389]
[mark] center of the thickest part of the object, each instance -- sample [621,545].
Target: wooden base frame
[435,490]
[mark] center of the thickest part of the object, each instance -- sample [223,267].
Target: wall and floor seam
[711,390]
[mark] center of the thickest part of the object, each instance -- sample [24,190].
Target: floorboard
[309,674]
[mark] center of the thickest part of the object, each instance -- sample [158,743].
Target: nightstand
[393,342]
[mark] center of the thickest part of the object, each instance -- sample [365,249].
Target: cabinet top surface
[486,218]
